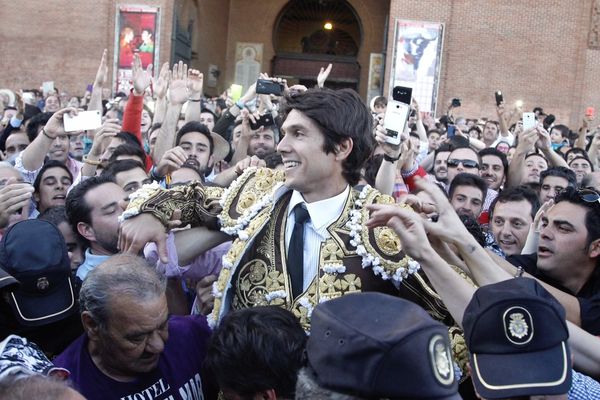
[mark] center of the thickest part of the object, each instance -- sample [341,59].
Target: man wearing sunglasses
[466,160]
[567,257]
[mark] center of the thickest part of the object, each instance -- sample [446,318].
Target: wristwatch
[391,159]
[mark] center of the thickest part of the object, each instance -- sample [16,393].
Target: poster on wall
[375,86]
[136,31]
[417,60]
[248,63]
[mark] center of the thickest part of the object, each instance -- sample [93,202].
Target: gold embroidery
[331,252]
[251,285]
[310,298]
[351,284]
[247,199]
[387,241]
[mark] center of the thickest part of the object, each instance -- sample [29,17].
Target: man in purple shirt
[131,349]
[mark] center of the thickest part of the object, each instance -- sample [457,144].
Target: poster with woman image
[136,33]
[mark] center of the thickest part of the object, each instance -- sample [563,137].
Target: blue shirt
[91,261]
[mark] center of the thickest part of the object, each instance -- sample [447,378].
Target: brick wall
[62,40]
[533,51]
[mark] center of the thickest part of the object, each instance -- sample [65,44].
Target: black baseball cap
[378,346]
[7,281]
[517,336]
[34,252]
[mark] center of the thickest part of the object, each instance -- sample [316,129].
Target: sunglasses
[589,195]
[455,162]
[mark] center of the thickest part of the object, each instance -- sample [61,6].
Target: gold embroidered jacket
[353,259]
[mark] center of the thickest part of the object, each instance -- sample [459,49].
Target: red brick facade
[538,52]
[534,51]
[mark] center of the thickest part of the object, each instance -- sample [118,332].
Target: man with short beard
[198,147]
[440,166]
[262,142]
[93,208]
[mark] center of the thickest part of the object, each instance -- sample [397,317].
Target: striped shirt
[322,214]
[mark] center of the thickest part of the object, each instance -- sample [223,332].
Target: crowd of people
[278,246]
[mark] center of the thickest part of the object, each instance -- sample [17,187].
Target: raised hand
[102,73]
[248,162]
[178,92]
[144,228]
[448,227]
[195,81]
[161,83]
[323,75]
[141,79]
[55,125]
[391,150]
[407,224]
[544,142]
[204,296]
[104,135]
[172,160]
[14,199]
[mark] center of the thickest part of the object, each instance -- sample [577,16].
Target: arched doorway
[309,34]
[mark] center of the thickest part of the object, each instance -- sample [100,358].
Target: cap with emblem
[379,346]
[517,336]
[34,252]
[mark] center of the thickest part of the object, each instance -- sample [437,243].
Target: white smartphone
[529,121]
[83,121]
[394,122]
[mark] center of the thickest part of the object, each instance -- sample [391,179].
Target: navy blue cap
[517,336]
[379,346]
[34,252]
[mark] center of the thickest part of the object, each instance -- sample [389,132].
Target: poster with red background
[136,32]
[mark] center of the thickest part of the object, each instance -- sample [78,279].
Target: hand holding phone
[529,121]
[267,86]
[83,121]
[396,115]
[499,98]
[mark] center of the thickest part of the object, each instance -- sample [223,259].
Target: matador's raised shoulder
[379,247]
[249,194]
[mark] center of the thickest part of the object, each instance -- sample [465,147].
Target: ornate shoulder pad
[380,248]
[198,204]
[249,194]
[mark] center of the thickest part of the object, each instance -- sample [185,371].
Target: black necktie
[296,250]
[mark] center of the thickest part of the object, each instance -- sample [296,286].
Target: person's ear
[343,149]
[36,197]
[594,249]
[86,231]
[90,326]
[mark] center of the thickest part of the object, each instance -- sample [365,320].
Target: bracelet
[240,105]
[195,101]
[410,172]
[519,272]
[46,134]
[95,163]
[154,174]
[391,159]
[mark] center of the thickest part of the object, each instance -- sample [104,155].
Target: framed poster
[417,60]
[375,86]
[136,31]
[248,63]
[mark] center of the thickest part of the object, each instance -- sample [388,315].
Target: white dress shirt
[322,214]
